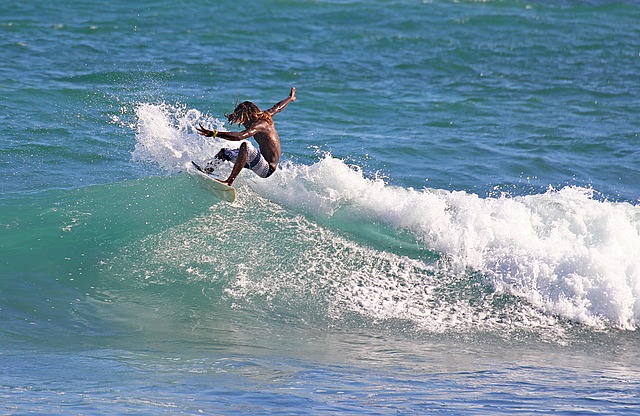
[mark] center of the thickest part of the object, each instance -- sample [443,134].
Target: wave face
[323,244]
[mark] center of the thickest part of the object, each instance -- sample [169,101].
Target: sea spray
[166,136]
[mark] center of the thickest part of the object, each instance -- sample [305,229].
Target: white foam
[563,251]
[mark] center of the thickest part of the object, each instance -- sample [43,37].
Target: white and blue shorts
[255,161]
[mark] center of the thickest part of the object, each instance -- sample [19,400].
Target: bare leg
[240,162]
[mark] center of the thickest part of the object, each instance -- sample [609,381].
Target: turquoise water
[454,227]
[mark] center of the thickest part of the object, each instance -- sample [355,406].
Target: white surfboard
[219,189]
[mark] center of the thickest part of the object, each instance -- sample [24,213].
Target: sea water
[454,226]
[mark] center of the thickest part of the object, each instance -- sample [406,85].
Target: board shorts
[255,161]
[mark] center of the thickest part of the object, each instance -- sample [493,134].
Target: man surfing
[259,125]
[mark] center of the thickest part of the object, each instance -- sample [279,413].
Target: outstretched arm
[227,135]
[282,104]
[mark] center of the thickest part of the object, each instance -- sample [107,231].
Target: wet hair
[247,112]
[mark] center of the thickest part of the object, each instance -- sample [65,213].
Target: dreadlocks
[247,112]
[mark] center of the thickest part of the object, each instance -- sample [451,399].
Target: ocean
[454,227]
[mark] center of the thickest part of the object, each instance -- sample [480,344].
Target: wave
[563,251]
[437,258]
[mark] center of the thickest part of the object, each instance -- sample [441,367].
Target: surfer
[259,125]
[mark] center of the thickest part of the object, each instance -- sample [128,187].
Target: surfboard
[219,189]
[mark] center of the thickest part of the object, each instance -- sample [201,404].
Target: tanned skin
[261,130]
